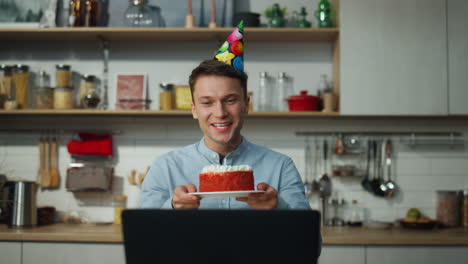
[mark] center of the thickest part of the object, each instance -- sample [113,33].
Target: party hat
[232,50]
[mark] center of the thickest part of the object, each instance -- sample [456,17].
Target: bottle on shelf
[324,14]
[284,89]
[21,79]
[74,18]
[266,97]
[44,92]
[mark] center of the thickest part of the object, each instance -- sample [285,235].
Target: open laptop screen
[221,236]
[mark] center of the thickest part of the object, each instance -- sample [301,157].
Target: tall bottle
[324,14]
[266,95]
[284,89]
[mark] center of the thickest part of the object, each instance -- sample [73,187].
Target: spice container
[63,75]
[88,83]
[21,80]
[63,98]
[448,208]
[44,93]
[166,97]
[6,82]
[120,203]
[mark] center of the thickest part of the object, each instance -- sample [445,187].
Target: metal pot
[19,207]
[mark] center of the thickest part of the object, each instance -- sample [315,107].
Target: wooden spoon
[45,181]
[40,171]
[54,172]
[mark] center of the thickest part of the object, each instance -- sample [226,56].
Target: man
[220,104]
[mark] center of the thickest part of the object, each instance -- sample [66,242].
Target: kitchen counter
[99,233]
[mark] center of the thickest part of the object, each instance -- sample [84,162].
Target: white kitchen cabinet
[10,252]
[342,254]
[393,57]
[416,255]
[72,253]
[458,55]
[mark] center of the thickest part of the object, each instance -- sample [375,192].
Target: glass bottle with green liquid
[323,14]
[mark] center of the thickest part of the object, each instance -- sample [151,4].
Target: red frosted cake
[221,178]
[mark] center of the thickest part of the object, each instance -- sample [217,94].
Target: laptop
[221,236]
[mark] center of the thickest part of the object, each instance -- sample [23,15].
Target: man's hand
[266,200]
[183,200]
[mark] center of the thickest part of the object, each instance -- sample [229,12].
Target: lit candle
[189,7]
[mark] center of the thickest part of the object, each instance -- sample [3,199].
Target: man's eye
[232,100]
[206,103]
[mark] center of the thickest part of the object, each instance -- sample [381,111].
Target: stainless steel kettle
[18,207]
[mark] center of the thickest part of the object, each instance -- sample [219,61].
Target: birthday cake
[222,178]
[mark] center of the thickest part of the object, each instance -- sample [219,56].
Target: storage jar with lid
[44,93]
[448,208]
[21,80]
[303,102]
[88,87]
[63,98]
[63,75]
[6,82]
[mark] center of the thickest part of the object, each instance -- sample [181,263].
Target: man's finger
[191,188]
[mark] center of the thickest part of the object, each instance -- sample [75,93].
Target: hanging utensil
[40,171]
[45,180]
[315,182]
[307,185]
[379,188]
[390,185]
[325,183]
[366,182]
[54,171]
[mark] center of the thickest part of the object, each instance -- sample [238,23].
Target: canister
[6,82]
[21,82]
[63,75]
[87,86]
[448,213]
[44,93]
[63,98]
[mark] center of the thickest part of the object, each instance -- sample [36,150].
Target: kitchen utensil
[45,180]
[325,183]
[366,183]
[377,180]
[382,188]
[40,171]
[307,185]
[315,182]
[54,172]
[390,186]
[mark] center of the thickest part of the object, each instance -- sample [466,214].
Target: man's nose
[220,110]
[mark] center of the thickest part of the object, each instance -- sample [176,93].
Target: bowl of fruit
[415,220]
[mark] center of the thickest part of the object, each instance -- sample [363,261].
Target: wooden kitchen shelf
[143,113]
[168,34]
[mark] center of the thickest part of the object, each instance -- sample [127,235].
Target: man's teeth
[220,125]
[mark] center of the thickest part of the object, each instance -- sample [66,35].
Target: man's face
[219,105]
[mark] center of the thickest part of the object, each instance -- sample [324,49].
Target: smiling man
[220,104]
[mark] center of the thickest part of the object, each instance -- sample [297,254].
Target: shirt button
[214,156]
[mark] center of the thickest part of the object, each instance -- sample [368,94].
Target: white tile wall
[418,171]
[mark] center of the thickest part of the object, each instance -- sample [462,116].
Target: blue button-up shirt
[183,166]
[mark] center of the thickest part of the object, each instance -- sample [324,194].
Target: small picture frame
[131,91]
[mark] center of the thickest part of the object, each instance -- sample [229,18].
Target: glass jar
[138,14]
[448,208]
[88,83]
[166,96]
[63,75]
[120,203]
[356,214]
[63,98]
[6,82]
[21,80]
[44,93]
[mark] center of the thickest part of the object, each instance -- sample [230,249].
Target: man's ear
[194,112]
[246,106]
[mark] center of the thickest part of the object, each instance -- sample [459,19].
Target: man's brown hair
[217,68]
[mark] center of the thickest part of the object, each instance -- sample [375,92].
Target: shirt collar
[213,156]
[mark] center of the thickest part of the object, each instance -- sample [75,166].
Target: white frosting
[225,168]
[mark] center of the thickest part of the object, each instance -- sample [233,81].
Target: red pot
[303,102]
